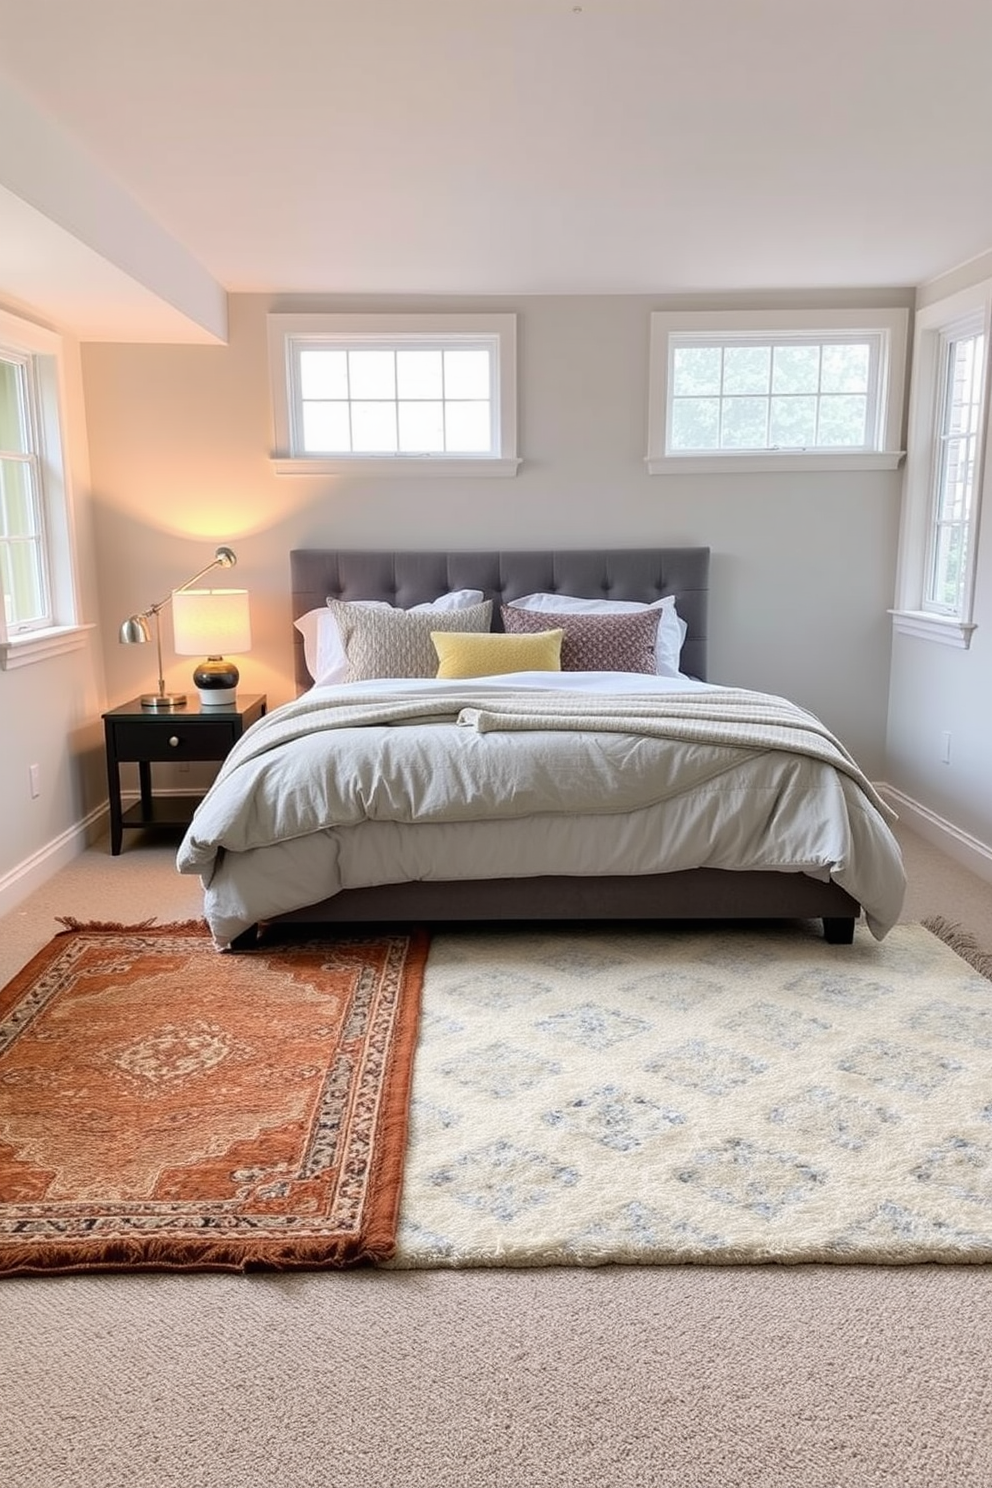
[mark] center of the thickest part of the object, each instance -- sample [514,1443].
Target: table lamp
[212,623]
[136,630]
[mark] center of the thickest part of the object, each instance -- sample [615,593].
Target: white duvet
[531,774]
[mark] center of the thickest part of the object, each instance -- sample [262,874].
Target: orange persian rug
[166,1107]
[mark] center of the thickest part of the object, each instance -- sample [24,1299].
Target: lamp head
[226,557]
[214,623]
[135,631]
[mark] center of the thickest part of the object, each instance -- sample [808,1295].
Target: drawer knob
[174,742]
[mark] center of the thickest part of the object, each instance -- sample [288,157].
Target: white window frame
[42,352]
[936,325]
[670,328]
[289,333]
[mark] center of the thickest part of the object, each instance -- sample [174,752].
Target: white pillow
[323,649]
[671,627]
[458,599]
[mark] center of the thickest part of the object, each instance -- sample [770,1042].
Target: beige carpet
[612,1377]
[708,1096]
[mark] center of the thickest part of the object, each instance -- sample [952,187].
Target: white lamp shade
[211,622]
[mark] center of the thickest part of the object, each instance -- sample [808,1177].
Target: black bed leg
[248,940]
[838,930]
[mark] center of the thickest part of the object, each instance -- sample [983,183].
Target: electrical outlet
[945,749]
[34,776]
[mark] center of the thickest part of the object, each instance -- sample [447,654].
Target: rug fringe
[73,1258]
[962,942]
[118,927]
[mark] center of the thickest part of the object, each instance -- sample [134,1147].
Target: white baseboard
[36,870]
[30,875]
[965,849]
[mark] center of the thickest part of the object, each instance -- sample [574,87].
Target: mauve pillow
[672,628]
[594,643]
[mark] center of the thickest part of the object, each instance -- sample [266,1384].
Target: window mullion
[938,476]
[37,495]
[27,592]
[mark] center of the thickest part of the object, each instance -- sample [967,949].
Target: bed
[355,869]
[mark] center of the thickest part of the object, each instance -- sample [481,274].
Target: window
[945,468]
[394,394]
[37,579]
[23,552]
[959,424]
[775,390]
[775,394]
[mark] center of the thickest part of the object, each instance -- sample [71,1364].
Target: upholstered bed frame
[643,574]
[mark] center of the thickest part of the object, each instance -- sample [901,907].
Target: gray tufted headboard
[409,578]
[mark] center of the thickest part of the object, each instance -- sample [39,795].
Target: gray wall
[802,572]
[802,565]
[936,688]
[51,709]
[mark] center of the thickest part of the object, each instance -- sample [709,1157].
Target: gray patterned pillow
[594,643]
[397,643]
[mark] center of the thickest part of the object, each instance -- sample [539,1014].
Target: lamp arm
[224,558]
[158,648]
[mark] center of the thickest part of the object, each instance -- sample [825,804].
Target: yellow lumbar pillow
[468,654]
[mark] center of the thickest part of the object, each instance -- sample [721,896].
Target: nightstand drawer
[171,741]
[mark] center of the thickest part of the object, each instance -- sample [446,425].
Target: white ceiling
[475,147]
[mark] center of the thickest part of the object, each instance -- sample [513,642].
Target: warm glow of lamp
[212,623]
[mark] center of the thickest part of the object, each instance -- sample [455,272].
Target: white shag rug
[710,1096]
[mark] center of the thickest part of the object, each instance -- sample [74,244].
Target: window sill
[398,465]
[763,462]
[945,629]
[41,644]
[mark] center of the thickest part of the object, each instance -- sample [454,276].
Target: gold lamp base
[163,701]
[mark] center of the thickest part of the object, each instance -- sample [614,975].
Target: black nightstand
[147,736]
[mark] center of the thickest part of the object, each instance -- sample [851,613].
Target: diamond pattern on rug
[756,1178]
[644,1228]
[836,987]
[593,1027]
[897,1066]
[962,1168]
[701,1064]
[823,1115]
[503,1179]
[891,1226]
[615,1117]
[499,1070]
[705,1096]
[786,1027]
[503,987]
